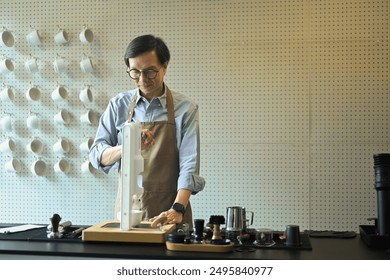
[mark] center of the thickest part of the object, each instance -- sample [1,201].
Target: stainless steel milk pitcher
[236,218]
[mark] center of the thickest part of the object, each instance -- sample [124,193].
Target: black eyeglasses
[136,74]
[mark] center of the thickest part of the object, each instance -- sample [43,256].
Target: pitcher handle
[252,214]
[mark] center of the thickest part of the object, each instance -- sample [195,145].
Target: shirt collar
[162,98]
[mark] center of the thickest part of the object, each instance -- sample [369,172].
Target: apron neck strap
[171,111]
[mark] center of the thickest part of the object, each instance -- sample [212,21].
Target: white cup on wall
[13,166]
[33,38]
[8,146]
[90,117]
[62,117]
[61,147]
[33,93]
[31,65]
[86,35]
[6,123]
[60,93]
[87,168]
[7,38]
[32,122]
[7,95]
[62,166]
[38,168]
[86,95]
[6,66]
[59,65]
[86,145]
[61,38]
[35,146]
[86,65]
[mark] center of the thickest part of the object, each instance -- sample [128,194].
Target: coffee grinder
[382,186]
[379,235]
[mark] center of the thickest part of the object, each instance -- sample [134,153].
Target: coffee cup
[62,117]
[33,38]
[61,38]
[293,237]
[60,93]
[61,147]
[62,166]
[32,122]
[59,65]
[86,35]
[13,166]
[7,95]
[89,117]
[6,66]
[86,65]
[8,146]
[33,93]
[31,65]
[38,168]
[264,237]
[6,123]
[86,95]
[86,146]
[35,146]
[7,38]
[87,168]
[135,219]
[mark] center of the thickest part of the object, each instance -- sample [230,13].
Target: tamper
[199,224]
[216,221]
[62,226]
[55,222]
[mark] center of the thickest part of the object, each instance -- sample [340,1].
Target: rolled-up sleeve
[189,152]
[106,136]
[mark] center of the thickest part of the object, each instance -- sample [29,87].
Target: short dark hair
[146,43]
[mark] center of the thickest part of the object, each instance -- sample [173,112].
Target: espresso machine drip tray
[369,235]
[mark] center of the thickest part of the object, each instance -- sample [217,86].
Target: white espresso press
[132,166]
[130,228]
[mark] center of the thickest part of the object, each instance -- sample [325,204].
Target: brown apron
[161,167]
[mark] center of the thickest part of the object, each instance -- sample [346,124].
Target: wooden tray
[200,247]
[111,232]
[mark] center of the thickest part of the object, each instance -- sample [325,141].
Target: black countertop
[321,249]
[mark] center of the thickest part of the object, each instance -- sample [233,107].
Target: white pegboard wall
[293,100]
[342,183]
[349,20]
[32,197]
[351,91]
[277,186]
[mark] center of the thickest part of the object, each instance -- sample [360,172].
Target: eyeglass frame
[143,71]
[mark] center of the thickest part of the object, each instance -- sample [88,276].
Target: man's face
[150,88]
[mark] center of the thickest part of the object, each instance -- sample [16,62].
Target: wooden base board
[211,248]
[110,231]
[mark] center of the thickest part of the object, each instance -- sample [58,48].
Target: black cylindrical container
[382,173]
[383,223]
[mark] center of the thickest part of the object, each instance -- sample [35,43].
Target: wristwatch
[178,207]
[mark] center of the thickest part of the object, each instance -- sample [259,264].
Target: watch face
[178,207]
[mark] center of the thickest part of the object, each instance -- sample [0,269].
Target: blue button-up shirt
[109,132]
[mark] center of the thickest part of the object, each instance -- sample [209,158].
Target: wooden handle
[159,221]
